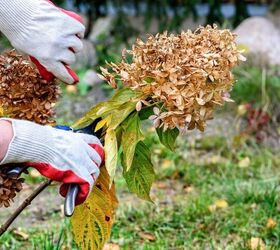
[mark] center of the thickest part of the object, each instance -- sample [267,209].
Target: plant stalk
[25,204]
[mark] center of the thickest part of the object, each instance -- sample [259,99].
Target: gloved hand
[60,155]
[49,34]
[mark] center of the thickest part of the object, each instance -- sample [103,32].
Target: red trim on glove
[73,15]
[67,177]
[69,13]
[99,149]
[48,76]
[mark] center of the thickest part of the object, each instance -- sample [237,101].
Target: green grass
[51,238]
[256,85]
[181,219]
[252,195]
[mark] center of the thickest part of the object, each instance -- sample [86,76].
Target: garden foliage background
[219,189]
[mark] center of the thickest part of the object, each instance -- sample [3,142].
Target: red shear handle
[42,70]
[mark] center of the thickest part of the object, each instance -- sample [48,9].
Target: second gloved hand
[49,34]
[60,155]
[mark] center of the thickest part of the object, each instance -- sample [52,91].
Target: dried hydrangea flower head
[9,187]
[24,94]
[189,74]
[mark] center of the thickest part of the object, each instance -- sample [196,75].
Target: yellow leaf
[212,208]
[20,234]
[100,110]
[103,122]
[93,220]
[244,163]
[242,109]
[147,236]
[111,246]
[71,89]
[256,244]
[189,189]
[1,111]
[270,223]
[111,152]
[166,164]
[34,173]
[219,204]
[120,106]
[243,48]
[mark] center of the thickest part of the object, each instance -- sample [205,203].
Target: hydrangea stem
[25,204]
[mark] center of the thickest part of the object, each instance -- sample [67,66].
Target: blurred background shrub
[170,13]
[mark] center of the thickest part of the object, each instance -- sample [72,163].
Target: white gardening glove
[50,35]
[59,155]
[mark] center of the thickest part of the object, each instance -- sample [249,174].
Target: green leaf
[168,137]
[111,152]
[101,109]
[120,102]
[125,95]
[120,114]
[141,175]
[119,132]
[146,112]
[131,136]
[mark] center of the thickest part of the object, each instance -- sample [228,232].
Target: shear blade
[70,200]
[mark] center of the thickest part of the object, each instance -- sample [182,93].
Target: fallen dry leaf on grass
[270,223]
[189,189]
[161,185]
[219,204]
[65,248]
[71,89]
[20,234]
[111,246]
[256,244]
[244,163]
[215,160]
[147,236]
[166,163]
[241,109]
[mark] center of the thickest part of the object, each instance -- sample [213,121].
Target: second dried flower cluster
[186,75]
[24,94]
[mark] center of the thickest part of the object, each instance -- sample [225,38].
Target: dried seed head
[24,94]
[189,74]
[9,187]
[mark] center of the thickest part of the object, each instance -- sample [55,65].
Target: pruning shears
[15,170]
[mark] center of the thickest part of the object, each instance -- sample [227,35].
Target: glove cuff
[38,141]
